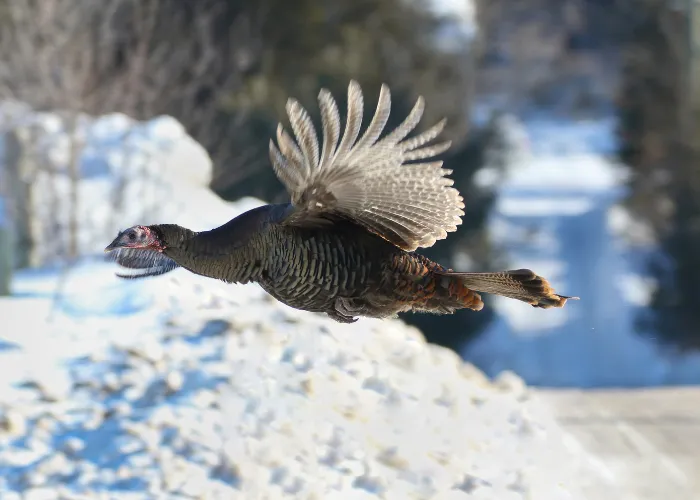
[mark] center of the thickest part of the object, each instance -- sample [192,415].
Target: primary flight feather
[345,244]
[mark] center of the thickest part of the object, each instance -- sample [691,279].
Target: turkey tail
[142,263]
[520,284]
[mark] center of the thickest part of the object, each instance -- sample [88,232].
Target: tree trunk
[692,110]
[74,176]
[18,197]
[5,252]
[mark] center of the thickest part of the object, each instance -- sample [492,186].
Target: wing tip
[324,93]
[292,105]
[355,95]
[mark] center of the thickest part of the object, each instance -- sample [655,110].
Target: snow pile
[189,388]
[184,387]
[129,173]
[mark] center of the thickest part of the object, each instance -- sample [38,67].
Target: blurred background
[574,127]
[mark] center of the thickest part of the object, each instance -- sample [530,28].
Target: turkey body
[346,243]
[339,268]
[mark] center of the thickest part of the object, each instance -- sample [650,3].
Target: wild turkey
[345,244]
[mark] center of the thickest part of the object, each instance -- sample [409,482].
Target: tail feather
[519,284]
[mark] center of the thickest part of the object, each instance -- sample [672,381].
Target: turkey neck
[233,252]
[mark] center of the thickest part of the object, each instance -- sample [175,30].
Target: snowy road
[645,445]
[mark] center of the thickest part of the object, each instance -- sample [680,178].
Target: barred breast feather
[384,184]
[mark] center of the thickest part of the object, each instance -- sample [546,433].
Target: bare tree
[95,57]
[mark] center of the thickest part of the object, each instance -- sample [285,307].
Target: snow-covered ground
[184,387]
[188,388]
[130,173]
[557,214]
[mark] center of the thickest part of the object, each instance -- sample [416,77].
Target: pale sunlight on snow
[181,385]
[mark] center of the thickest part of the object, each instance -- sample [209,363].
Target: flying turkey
[345,244]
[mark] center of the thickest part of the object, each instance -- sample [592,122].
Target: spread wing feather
[367,180]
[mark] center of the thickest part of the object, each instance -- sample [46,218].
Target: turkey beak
[112,246]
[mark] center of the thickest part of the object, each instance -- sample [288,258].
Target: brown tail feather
[519,284]
[464,295]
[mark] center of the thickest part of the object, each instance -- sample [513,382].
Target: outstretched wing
[382,184]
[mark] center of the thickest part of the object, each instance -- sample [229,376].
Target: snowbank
[129,173]
[183,386]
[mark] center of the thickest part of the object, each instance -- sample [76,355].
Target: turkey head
[139,249]
[142,237]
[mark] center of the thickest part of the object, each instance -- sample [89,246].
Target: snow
[558,213]
[458,28]
[130,173]
[557,137]
[201,389]
[461,11]
[184,387]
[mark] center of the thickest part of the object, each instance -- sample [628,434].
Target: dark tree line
[640,57]
[659,132]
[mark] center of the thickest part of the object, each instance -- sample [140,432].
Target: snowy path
[558,213]
[644,444]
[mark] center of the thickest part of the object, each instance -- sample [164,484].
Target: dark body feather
[339,268]
[345,245]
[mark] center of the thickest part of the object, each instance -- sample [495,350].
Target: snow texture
[557,213]
[130,173]
[181,387]
[185,387]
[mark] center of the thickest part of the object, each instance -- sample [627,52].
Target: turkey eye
[132,236]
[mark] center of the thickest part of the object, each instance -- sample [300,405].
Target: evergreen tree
[659,141]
